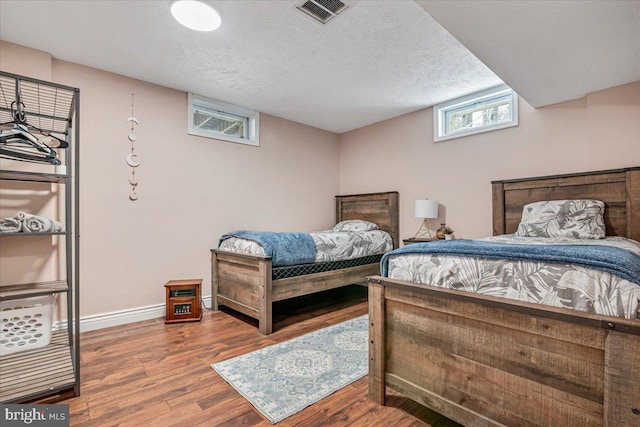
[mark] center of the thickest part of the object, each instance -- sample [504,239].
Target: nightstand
[411,240]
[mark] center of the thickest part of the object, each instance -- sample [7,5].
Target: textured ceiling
[549,51]
[377,60]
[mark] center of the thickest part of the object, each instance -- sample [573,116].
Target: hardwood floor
[152,374]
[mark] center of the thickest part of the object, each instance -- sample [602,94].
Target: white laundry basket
[25,323]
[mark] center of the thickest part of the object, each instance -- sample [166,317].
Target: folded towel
[10,225]
[37,224]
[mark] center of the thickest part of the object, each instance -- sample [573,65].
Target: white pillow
[353,225]
[577,219]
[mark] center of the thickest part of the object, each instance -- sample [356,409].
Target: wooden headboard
[619,189]
[379,208]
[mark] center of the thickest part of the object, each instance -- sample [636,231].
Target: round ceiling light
[196,15]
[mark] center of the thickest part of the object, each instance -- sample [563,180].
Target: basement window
[492,109]
[218,120]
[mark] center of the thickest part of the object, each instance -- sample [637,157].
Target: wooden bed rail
[532,309]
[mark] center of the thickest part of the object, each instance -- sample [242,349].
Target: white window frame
[440,112]
[252,119]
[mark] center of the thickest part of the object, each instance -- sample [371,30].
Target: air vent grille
[322,10]
[334,6]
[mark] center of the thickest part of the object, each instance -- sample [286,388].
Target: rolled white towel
[20,216]
[37,224]
[10,225]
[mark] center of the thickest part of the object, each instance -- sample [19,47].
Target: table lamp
[425,209]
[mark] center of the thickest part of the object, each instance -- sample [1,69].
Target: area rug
[285,378]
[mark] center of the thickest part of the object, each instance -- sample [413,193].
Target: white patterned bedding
[330,245]
[557,285]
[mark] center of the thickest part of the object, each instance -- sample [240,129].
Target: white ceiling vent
[322,10]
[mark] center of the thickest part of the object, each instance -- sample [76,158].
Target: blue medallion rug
[285,378]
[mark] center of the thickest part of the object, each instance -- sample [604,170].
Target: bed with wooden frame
[489,361]
[244,282]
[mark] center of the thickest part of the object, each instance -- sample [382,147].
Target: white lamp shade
[426,209]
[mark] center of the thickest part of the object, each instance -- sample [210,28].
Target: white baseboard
[122,317]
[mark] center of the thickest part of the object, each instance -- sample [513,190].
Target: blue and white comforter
[608,290]
[329,246]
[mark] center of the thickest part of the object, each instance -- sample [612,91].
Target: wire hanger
[17,107]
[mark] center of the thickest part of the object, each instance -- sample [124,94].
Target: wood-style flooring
[152,374]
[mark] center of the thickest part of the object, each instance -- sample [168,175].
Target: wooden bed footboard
[486,361]
[243,283]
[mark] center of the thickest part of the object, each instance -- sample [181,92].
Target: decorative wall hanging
[132,157]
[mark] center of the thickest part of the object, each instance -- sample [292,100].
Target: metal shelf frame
[34,233]
[48,106]
[32,289]
[51,108]
[33,177]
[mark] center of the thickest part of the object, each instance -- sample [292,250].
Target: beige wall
[25,61]
[601,131]
[192,189]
